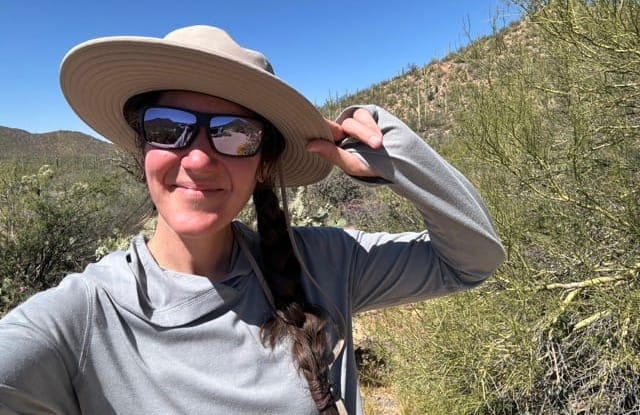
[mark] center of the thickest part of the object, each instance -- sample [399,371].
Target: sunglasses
[176,128]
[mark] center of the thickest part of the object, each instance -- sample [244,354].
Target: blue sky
[322,48]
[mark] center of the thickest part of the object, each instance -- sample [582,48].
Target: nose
[200,154]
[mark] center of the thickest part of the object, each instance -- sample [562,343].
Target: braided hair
[295,318]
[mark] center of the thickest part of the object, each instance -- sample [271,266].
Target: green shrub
[50,228]
[548,131]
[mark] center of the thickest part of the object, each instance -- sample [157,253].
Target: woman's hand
[362,127]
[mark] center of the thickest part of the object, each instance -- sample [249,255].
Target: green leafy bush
[50,228]
[548,130]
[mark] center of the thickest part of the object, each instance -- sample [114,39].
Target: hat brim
[99,76]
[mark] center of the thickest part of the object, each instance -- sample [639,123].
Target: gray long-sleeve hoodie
[127,337]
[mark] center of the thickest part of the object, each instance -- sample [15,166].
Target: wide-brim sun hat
[97,78]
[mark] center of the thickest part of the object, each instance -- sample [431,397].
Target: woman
[208,316]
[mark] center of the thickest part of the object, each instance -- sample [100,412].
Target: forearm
[458,222]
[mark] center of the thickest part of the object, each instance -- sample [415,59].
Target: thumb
[325,149]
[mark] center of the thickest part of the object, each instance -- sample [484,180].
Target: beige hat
[97,78]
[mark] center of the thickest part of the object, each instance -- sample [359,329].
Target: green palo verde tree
[556,121]
[548,127]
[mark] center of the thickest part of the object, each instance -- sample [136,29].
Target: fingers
[360,126]
[363,127]
[350,163]
[336,131]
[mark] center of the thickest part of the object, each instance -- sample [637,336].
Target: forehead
[202,103]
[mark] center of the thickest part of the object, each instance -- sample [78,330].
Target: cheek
[158,165]
[245,177]
[156,160]
[245,170]
[148,161]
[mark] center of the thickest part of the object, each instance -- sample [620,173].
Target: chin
[197,226]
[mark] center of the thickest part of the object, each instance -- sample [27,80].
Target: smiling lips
[192,189]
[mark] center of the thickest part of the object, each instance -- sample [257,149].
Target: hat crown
[215,40]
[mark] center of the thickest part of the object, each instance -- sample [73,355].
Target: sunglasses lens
[167,127]
[236,136]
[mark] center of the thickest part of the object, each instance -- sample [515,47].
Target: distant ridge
[18,144]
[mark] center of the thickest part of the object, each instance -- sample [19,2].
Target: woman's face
[197,191]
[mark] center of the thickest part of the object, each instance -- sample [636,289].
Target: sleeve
[459,248]
[41,342]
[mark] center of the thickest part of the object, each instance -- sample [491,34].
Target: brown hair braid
[303,323]
[294,317]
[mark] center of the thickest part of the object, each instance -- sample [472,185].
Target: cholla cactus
[301,217]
